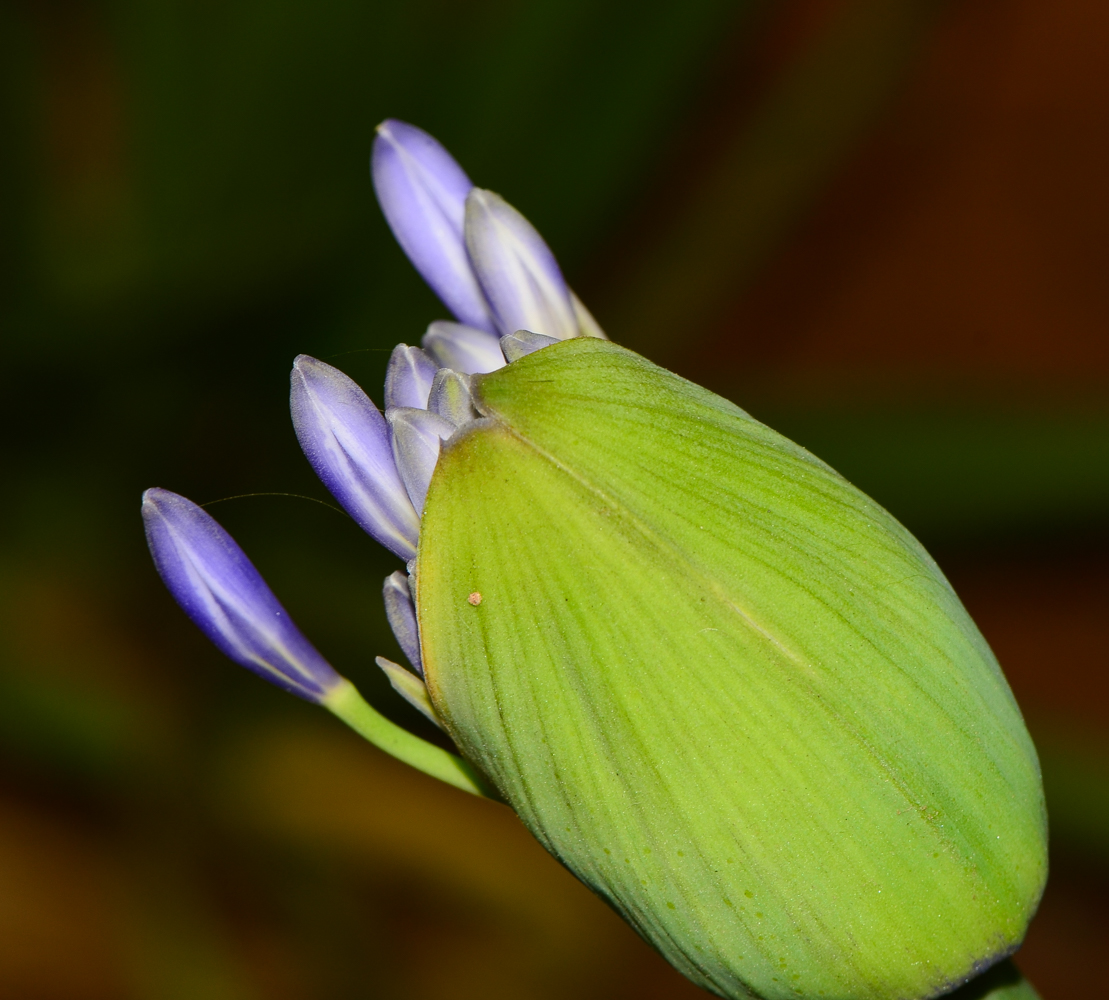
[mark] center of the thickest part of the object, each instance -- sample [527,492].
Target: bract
[724,687]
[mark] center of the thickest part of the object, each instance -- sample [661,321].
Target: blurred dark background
[882,226]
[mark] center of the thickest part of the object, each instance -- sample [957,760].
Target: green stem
[347,704]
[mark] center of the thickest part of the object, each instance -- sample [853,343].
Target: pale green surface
[347,704]
[732,694]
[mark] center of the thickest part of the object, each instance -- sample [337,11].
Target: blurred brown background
[878,225]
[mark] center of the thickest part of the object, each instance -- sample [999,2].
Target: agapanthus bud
[463,348]
[402,617]
[221,591]
[422,191]
[409,376]
[346,441]
[219,588]
[450,397]
[417,435]
[523,342]
[725,688]
[517,271]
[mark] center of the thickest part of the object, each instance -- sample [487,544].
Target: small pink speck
[474,598]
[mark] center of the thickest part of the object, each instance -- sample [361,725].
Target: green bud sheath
[726,689]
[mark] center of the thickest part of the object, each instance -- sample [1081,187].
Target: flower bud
[422,191]
[409,376]
[518,273]
[221,591]
[522,342]
[463,348]
[450,397]
[402,617]
[416,438]
[424,194]
[218,587]
[347,442]
[726,689]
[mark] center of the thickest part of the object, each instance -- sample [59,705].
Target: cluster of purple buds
[494,272]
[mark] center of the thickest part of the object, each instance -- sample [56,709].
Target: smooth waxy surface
[724,687]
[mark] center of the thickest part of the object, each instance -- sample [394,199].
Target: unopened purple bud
[416,438]
[347,442]
[463,348]
[451,397]
[422,191]
[522,342]
[518,273]
[409,376]
[221,591]
[402,618]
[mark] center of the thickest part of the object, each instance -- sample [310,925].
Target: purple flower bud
[402,618]
[422,191]
[517,271]
[522,342]
[347,442]
[463,348]
[409,376]
[450,397]
[416,438]
[221,591]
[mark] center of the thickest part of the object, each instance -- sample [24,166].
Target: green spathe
[730,692]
